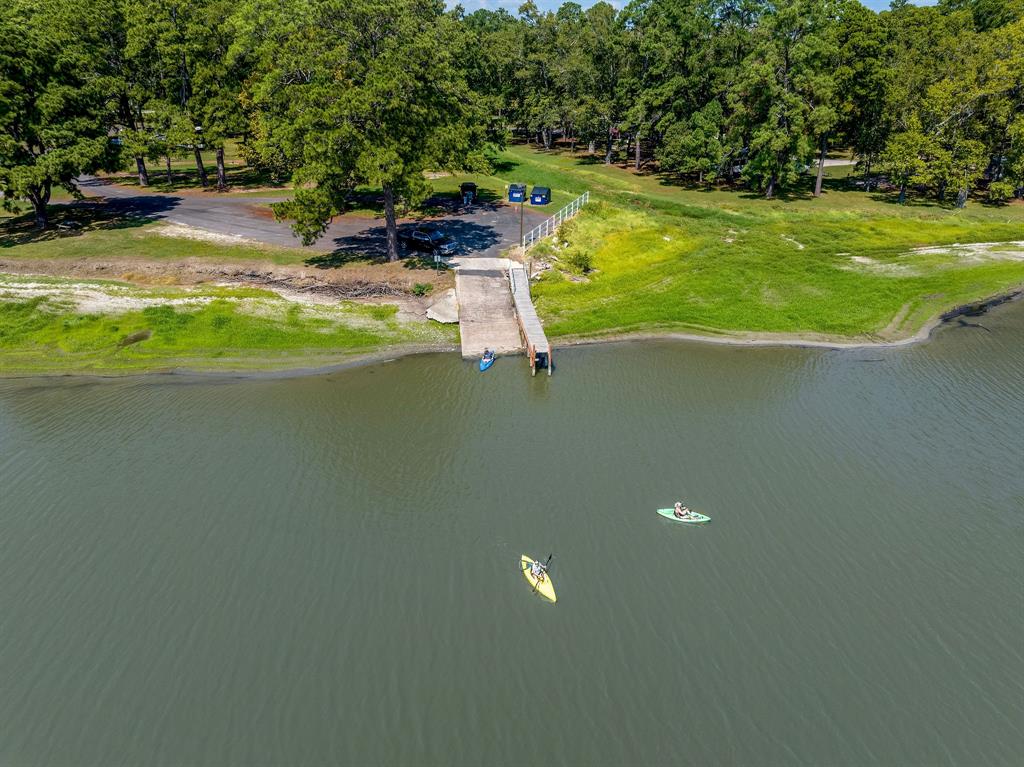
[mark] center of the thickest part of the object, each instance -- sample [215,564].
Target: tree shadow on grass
[188,179]
[914,199]
[593,159]
[804,190]
[922,197]
[502,166]
[77,218]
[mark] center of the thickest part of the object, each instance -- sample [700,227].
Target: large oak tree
[56,97]
[358,92]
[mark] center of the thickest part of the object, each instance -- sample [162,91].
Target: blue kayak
[486,361]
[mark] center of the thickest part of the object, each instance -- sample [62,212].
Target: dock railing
[550,226]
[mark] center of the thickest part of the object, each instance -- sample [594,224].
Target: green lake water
[323,570]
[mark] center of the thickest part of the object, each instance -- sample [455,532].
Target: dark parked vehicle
[517,192]
[429,239]
[540,195]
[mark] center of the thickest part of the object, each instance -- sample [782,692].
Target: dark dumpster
[468,192]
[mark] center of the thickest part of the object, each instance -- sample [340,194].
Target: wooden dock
[538,350]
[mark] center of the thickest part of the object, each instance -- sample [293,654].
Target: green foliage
[954,99]
[335,95]
[783,98]
[579,259]
[902,157]
[55,87]
[183,51]
[987,14]
[422,288]
[693,145]
[349,93]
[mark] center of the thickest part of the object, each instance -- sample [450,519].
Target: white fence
[550,226]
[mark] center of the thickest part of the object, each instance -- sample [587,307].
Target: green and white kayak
[693,518]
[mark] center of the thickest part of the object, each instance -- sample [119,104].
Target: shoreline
[747,339]
[391,354]
[379,356]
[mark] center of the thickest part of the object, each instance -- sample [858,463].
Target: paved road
[483,230]
[486,315]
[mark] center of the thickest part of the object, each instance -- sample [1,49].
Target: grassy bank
[50,325]
[848,265]
[845,278]
[647,256]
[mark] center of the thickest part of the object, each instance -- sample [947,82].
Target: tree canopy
[342,94]
[349,95]
[55,97]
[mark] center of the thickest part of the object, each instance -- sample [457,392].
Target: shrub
[579,260]
[566,231]
[421,288]
[1000,191]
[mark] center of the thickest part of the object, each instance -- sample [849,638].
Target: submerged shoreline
[389,354]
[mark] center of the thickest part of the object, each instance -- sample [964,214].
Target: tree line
[760,90]
[336,94]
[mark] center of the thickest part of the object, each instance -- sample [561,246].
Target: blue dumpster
[540,195]
[517,193]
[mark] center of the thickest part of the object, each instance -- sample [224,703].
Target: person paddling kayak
[537,571]
[683,512]
[487,360]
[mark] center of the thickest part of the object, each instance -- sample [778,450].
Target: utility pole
[522,204]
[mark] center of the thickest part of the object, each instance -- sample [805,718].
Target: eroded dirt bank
[385,283]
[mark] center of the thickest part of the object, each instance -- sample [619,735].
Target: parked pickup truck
[429,239]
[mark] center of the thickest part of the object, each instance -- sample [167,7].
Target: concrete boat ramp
[495,310]
[486,317]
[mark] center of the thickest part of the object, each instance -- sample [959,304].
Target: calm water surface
[324,570]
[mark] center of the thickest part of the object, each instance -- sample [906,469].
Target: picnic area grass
[185,175]
[130,239]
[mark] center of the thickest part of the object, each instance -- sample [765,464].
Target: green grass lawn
[134,239]
[671,258]
[50,325]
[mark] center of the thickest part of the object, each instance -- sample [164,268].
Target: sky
[512,5]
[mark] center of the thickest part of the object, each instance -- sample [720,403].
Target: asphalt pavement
[483,229]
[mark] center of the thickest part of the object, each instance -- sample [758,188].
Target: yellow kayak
[546,588]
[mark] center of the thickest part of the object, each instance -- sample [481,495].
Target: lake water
[324,570]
